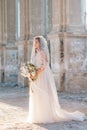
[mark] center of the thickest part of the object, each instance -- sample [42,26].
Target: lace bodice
[40,59]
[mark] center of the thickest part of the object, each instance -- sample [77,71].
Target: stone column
[75,16]
[3,21]
[23,36]
[9,39]
[24,19]
[55,15]
[57,42]
[11,21]
[35,19]
[3,37]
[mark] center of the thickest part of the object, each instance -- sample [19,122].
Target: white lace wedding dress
[44,106]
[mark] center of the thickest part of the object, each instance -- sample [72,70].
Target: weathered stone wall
[75,55]
[68,42]
[62,22]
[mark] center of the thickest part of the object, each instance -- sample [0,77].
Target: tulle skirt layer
[44,106]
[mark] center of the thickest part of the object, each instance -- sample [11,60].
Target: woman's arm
[44,62]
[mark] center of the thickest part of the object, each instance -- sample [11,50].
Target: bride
[44,106]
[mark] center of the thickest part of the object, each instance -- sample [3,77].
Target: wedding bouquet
[29,70]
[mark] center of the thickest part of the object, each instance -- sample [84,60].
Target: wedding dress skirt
[44,106]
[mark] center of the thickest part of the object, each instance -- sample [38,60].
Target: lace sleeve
[43,59]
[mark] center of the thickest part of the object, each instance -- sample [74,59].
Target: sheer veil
[44,47]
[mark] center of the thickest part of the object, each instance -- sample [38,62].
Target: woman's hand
[40,70]
[32,77]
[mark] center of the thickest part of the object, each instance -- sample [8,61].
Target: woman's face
[37,44]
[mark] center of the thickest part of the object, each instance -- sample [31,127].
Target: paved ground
[14,110]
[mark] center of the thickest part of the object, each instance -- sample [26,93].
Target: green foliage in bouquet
[29,70]
[32,70]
